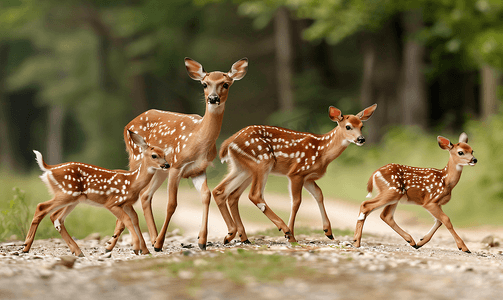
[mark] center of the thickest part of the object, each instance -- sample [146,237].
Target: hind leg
[384,198]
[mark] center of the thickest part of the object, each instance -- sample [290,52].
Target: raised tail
[370,185]
[40,160]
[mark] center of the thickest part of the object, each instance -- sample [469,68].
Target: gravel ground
[383,268]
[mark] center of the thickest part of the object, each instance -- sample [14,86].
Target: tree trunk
[381,74]
[489,95]
[413,88]
[284,61]
[55,134]
[7,161]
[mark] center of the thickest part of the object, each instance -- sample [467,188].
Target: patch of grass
[237,266]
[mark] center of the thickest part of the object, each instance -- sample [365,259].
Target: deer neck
[452,173]
[334,144]
[211,123]
[140,177]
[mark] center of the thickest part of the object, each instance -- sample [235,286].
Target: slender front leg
[146,202]
[430,233]
[119,213]
[119,228]
[437,212]
[136,226]
[317,194]
[173,181]
[233,201]
[201,184]
[387,217]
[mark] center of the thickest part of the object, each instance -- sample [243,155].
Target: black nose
[165,166]
[361,139]
[474,160]
[213,99]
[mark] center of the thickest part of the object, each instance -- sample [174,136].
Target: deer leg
[136,225]
[430,233]
[58,202]
[201,184]
[382,199]
[58,219]
[233,201]
[317,194]
[119,228]
[295,189]
[256,196]
[146,202]
[120,214]
[438,214]
[387,217]
[229,185]
[173,182]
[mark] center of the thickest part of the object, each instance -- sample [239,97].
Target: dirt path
[317,268]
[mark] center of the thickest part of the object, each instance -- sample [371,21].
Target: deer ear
[335,114]
[238,69]
[138,140]
[195,69]
[444,143]
[365,114]
[463,138]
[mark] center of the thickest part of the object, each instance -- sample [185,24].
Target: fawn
[428,187]
[256,151]
[116,190]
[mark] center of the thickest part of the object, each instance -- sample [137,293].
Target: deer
[116,190]
[431,188]
[190,139]
[256,151]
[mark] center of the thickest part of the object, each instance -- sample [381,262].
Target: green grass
[237,266]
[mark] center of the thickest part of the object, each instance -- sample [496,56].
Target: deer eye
[154,156]
[460,153]
[348,127]
[226,85]
[205,85]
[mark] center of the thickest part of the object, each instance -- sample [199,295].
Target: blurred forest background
[74,73]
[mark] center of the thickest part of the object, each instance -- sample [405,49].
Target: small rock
[489,240]
[67,261]
[45,273]
[93,237]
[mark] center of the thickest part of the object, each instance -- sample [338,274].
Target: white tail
[430,188]
[256,151]
[73,182]
[189,139]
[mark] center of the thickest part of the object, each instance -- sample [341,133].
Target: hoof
[136,252]
[330,236]
[82,255]
[106,250]
[247,241]
[226,241]
[202,246]
[157,249]
[416,246]
[468,251]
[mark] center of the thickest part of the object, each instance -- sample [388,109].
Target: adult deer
[428,187]
[73,183]
[256,151]
[190,139]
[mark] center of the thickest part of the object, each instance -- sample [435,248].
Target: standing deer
[189,139]
[72,183]
[428,187]
[256,151]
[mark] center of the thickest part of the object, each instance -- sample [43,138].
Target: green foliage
[15,220]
